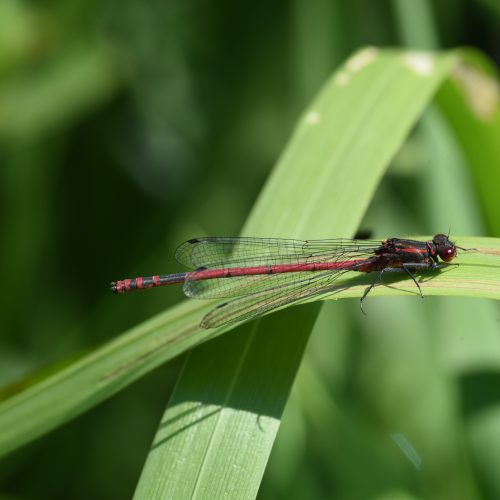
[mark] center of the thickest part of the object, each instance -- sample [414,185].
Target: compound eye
[448,253]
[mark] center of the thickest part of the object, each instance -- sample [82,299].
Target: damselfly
[264,274]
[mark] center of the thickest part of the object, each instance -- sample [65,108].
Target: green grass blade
[470,101]
[228,416]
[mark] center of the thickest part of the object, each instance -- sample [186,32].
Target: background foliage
[127,127]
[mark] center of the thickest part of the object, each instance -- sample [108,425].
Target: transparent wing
[259,303]
[240,285]
[217,252]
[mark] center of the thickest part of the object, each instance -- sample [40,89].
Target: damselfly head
[444,247]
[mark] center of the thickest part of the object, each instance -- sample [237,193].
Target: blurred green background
[127,127]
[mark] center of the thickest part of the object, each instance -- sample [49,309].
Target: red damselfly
[264,274]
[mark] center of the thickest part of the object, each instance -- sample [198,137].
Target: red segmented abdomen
[139,283]
[128,285]
[230,272]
